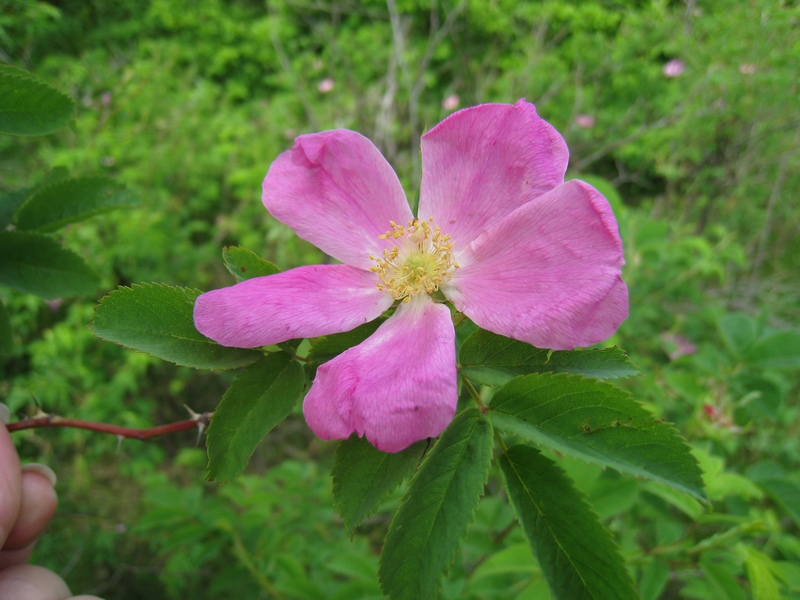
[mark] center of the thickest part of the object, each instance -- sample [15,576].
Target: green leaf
[10,203]
[6,341]
[510,560]
[492,359]
[52,206]
[655,576]
[760,568]
[738,332]
[244,264]
[722,582]
[29,106]
[363,477]
[686,504]
[259,399]
[436,510]
[578,556]
[158,319]
[326,347]
[786,494]
[779,349]
[37,264]
[598,422]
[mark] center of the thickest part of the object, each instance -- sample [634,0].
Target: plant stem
[197,420]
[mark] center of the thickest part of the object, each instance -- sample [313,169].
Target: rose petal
[336,190]
[482,163]
[303,302]
[397,387]
[549,274]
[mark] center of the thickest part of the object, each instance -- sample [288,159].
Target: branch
[199,421]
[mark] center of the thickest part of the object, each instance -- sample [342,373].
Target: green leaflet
[244,264]
[780,349]
[436,510]
[52,206]
[761,573]
[578,556]
[10,203]
[363,477]
[158,319]
[492,359]
[598,422]
[786,494]
[37,264]
[738,332]
[326,347]
[722,583]
[29,106]
[259,399]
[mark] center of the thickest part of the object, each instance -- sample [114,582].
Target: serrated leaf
[363,477]
[158,319]
[52,206]
[492,359]
[244,264]
[6,342]
[436,510]
[37,264]
[578,556]
[326,347]
[10,202]
[598,422]
[259,399]
[29,106]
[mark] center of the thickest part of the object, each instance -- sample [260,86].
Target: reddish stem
[201,421]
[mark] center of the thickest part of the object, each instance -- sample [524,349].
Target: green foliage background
[187,103]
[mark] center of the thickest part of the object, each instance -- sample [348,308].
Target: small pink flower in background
[325,86]
[747,69]
[500,234]
[677,345]
[452,102]
[674,68]
[105,98]
[585,121]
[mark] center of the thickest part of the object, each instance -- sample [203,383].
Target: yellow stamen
[421,261]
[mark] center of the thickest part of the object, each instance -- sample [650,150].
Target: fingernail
[41,469]
[5,414]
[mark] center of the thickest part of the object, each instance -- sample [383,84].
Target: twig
[199,421]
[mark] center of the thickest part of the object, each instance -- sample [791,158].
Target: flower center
[419,262]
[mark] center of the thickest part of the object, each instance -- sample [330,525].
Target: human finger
[10,479]
[37,506]
[30,582]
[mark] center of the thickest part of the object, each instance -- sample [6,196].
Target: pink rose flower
[325,86]
[500,235]
[674,68]
[451,102]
